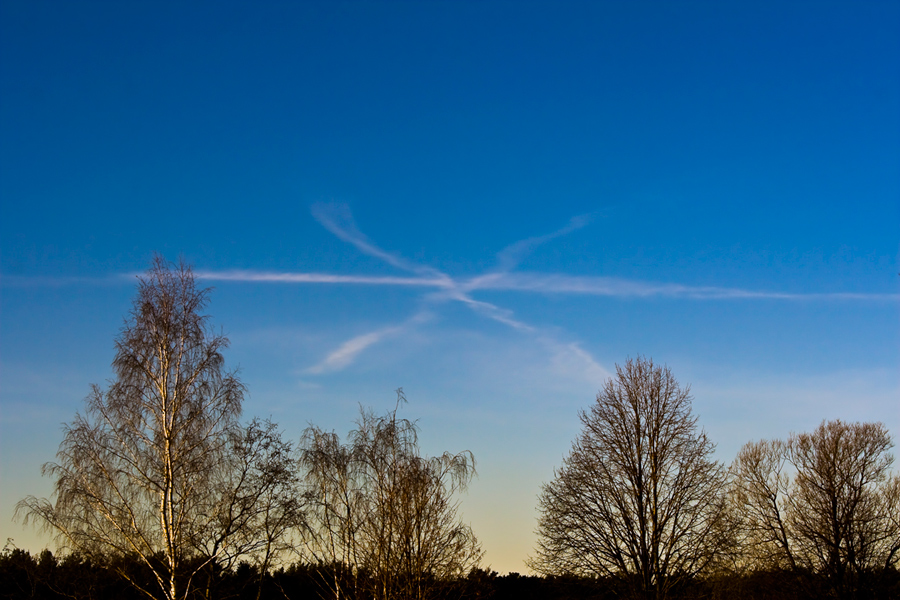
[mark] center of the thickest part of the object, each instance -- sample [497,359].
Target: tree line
[159,482]
[639,499]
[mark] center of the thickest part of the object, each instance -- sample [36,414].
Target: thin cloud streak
[571,360]
[346,353]
[492,311]
[338,219]
[609,286]
[24,281]
[290,277]
[540,283]
[512,255]
[546,283]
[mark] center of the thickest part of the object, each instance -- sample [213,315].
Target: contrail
[542,283]
[288,277]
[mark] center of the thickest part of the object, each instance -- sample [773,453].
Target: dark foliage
[46,577]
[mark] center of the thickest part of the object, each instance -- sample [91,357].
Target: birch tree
[132,471]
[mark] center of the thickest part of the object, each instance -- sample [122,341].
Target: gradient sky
[488,204]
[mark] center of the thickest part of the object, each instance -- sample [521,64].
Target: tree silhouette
[824,502]
[638,498]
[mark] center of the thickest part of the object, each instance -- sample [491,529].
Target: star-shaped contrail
[338,219]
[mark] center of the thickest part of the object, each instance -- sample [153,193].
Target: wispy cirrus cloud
[512,255]
[347,352]
[338,219]
[570,360]
[344,355]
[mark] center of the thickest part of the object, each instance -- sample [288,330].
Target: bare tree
[133,470]
[336,509]
[254,506]
[386,518]
[638,497]
[760,486]
[823,501]
[888,498]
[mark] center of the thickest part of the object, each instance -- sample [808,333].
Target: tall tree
[823,501]
[133,469]
[638,497]
[385,520]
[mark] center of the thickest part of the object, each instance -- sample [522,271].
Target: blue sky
[488,204]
